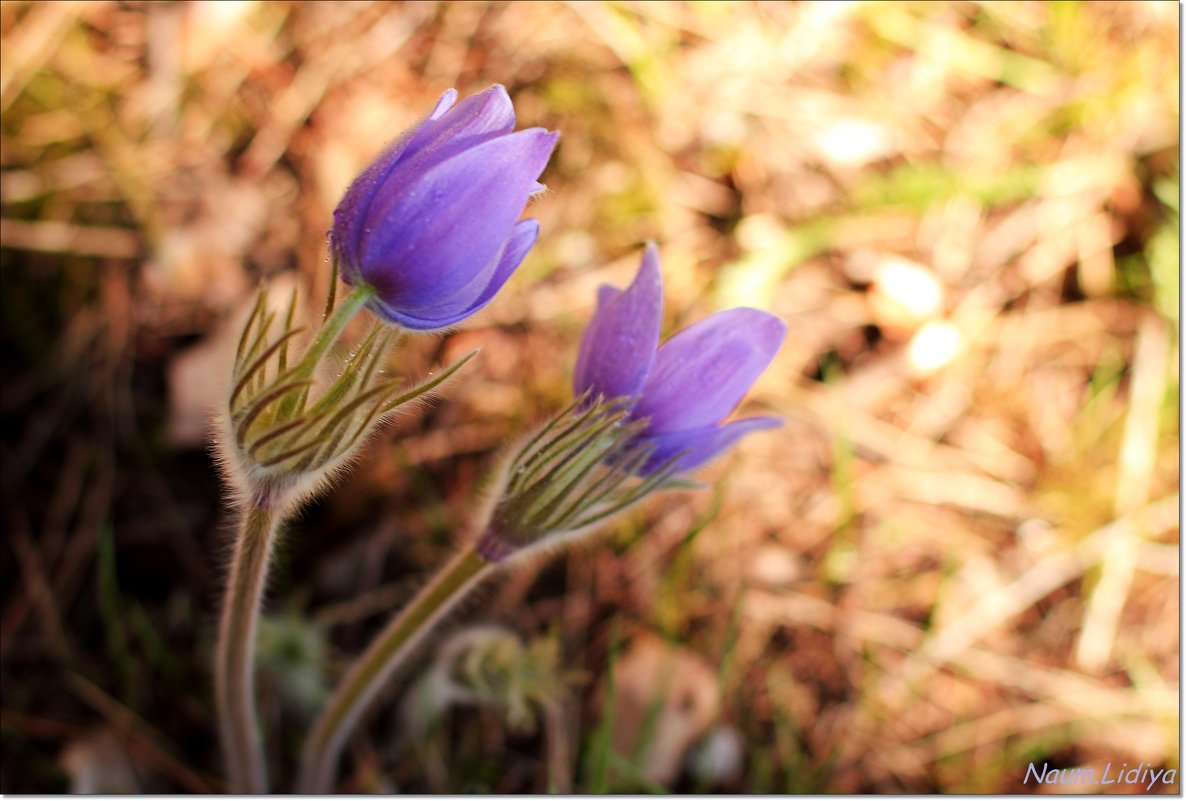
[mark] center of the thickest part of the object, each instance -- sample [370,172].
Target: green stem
[334,325]
[374,668]
[234,667]
[326,336]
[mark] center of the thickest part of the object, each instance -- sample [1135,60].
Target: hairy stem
[374,668]
[234,667]
[326,336]
[559,758]
[334,324]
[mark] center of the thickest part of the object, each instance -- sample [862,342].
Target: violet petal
[700,445]
[449,225]
[618,347]
[703,372]
[522,240]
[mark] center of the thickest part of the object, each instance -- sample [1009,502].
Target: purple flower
[433,224]
[687,387]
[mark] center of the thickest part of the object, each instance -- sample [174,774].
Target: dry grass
[958,557]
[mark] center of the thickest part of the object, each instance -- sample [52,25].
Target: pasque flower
[685,389]
[426,236]
[432,226]
[643,414]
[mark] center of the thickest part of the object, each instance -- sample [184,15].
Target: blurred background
[958,557]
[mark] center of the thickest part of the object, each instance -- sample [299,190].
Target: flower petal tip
[446,101]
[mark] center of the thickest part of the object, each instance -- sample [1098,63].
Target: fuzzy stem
[559,760]
[333,326]
[234,667]
[374,668]
[326,336]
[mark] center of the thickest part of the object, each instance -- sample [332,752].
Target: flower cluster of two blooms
[433,228]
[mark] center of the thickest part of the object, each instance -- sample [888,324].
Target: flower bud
[644,415]
[685,389]
[432,226]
